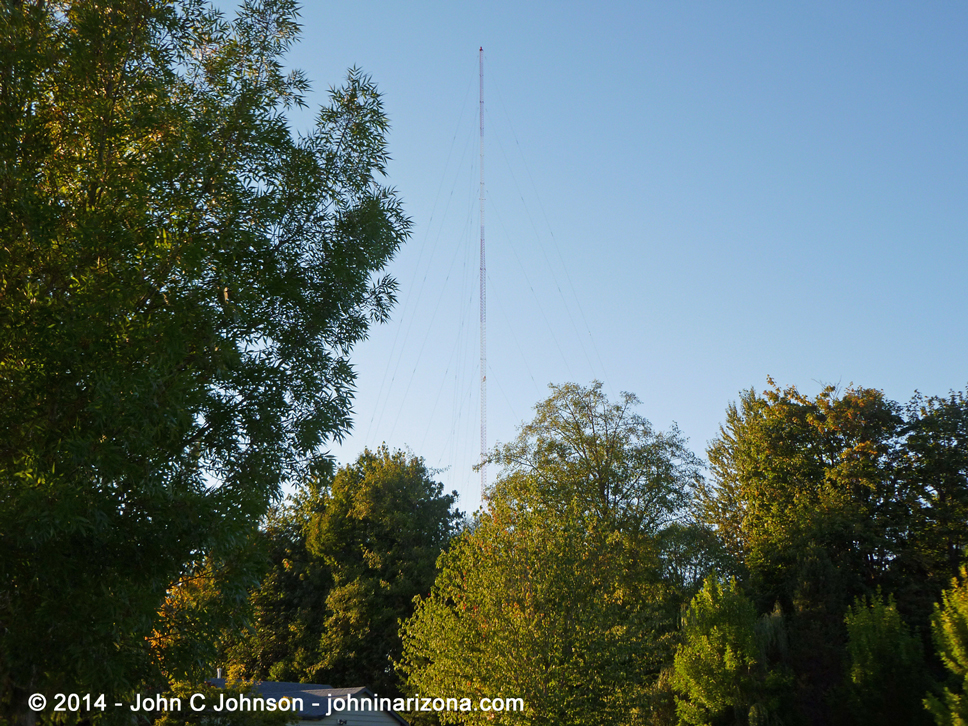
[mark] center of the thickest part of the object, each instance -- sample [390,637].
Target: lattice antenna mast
[483,302]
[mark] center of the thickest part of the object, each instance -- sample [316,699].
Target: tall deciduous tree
[826,499]
[933,465]
[556,594]
[793,475]
[351,556]
[182,282]
[804,494]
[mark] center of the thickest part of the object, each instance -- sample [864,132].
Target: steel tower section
[483,298]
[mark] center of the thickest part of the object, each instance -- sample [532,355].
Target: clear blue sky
[682,199]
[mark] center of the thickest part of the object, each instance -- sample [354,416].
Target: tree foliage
[933,464]
[351,555]
[886,675]
[555,595]
[729,668]
[793,475]
[950,630]
[582,451]
[182,282]
[841,496]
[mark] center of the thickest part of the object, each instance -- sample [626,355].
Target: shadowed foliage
[182,282]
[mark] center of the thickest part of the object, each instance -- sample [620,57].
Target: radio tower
[483,302]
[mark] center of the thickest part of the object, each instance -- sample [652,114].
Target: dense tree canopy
[182,282]
[843,496]
[593,585]
[729,666]
[349,557]
[556,594]
[794,475]
[886,676]
[950,632]
[583,451]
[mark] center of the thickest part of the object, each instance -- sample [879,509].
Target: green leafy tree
[824,500]
[793,474]
[287,608]
[949,628]
[182,283]
[555,595]
[729,667]
[210,598]
[805,494]
[933,466]
[886,674]
[352,554]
